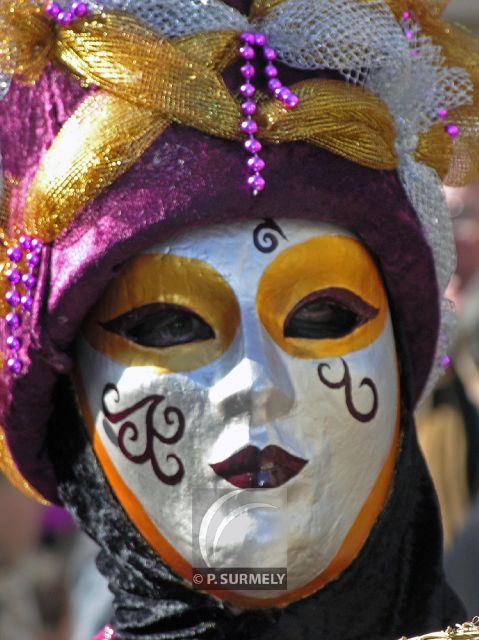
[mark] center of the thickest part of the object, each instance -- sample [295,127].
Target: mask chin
[150,597]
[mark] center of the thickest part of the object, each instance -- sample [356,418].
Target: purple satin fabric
[187,179]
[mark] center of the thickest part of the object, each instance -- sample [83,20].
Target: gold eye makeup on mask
[322,298]
[166,311]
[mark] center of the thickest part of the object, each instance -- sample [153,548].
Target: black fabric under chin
[394,587]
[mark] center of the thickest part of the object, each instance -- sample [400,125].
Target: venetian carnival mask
[258,359]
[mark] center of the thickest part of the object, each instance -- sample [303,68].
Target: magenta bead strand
[409,25]
[249,126]
[108,633]
[66,17]
[25,259]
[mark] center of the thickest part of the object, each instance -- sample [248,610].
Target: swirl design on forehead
[264,236]
[129,432]
[347,384]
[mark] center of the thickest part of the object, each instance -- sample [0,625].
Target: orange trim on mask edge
[321,263]
[350,548]
[10,470]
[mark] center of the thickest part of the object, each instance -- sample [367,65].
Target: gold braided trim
[339,117]
[466,631]
[151,82]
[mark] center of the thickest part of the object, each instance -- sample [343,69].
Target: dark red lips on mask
[253,468]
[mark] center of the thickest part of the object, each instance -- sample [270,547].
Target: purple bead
[452,129]
[247,52]
[33,259]
[25,242]
[249,126]
[409,34]
[260,39]
[13,276]
[13,298]
[284,93]
[247,90]
[15,365]
[271,71]
[406,15]
[253,146]
[15,254]
[53,9]
[274,84]
[65,18]
[445,361]
[256,163]
[269,53]
[27,303]
[256,182]
[248,71]
[29,281]
[14,343]
[292,101]
[37,244]
[442,113]
[248,108]
[13,321]
[248,37]
[80,9]
[277,91]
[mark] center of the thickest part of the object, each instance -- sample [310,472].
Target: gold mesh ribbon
[26,38]
[149,82]
[341,118]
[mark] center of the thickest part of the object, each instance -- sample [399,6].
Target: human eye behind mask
[330,313]
[160,326]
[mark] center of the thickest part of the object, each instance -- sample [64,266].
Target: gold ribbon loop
[27,39]
[132,62]
[337,116]
[102,139]
[149,82]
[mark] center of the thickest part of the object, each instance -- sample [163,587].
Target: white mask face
[260,356]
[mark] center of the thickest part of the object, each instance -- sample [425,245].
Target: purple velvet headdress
[185,179]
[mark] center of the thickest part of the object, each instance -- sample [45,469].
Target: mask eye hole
[329,313]
[160,325]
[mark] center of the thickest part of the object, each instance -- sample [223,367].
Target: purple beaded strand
[28,250]
[409,26]
[108,633]
[67,17]
[249,126]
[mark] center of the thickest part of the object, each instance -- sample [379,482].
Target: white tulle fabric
[365,43]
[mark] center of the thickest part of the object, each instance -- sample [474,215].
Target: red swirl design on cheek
[347,384]
[129,432]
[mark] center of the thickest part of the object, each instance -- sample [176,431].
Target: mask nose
[258,387]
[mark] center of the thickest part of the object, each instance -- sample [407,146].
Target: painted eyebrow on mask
[265,236]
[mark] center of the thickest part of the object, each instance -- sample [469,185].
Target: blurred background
[448,423]
[465,12]
[49,586]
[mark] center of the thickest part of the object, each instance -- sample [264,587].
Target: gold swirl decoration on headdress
[148,82]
